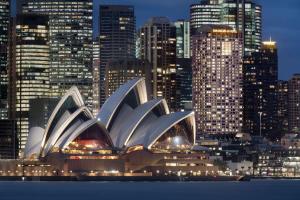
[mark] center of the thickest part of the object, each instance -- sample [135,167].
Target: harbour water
[253,190]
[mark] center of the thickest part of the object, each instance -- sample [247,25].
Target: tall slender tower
[260,92]
[294,104]
[117,38]
[4,27]
[217,80]
[31,74]
[283,104]
[70,41]
[183,65]
[158,46]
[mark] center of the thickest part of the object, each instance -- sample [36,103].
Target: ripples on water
[254,190]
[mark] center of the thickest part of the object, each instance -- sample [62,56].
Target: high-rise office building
[283,103]
[294,104]
[217,80]
[96,76]
[120,71]
[184,81]
[117,38]
[183,65]
[4,27]
[158,46]
[70,40]
[260,92]
[242,15]
[8,139]
[183,39]
[30,77]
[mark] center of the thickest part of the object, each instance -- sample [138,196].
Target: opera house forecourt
[132,136]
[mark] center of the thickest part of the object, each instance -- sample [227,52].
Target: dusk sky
[280,21]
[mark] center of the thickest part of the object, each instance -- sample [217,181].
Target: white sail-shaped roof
[122,131]
[62,128]
[34,141]
[71,99]
[83,127]
[159,126]
[113,103]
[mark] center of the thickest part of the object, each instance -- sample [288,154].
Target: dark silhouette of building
[260,92]
[283,103]
[294,104]
[184,81]
[8,139]
[157,44]
[120,71]
[4,29]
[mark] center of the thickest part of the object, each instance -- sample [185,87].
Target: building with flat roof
[217,80]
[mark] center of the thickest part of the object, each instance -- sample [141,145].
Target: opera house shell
[128,120]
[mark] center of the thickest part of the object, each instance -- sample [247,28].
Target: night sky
[280,21]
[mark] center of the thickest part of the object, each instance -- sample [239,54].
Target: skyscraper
[260,92]
[242,15]
[117,38]
[294,104]
[96,76]
[183,65]
[70,40]
[30,78]
[217,80]
[158,46]
[8,139]
[184,81]
[283,103]
[4,27]
[183,39]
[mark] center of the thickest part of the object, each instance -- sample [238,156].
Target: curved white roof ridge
[84,127]
[56,135]
[73,92]
[33,145]
[129,125]
[110,106]
[161,125]
[166,123]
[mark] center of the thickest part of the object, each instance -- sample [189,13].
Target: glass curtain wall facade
[183,65]
[183,49]
[4,29]
[117,38]
[32,67]
[71,43]
[242,15]
[217,80]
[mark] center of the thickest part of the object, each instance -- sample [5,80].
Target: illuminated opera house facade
[131,134]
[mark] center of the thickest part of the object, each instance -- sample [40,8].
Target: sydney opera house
[131,134]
